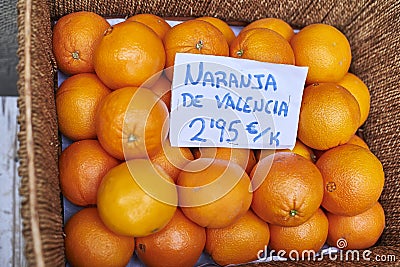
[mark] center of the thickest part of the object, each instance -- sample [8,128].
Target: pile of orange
[169,204]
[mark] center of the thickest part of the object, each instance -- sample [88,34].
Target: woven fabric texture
[371,27]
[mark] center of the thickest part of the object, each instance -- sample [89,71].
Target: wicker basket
[372,28]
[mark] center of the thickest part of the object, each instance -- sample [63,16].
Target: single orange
[172,159]
[290,189]
[75,37]
[277,25]
[128,54]
[360,231]
[196,37]
[132,122]
[214,193]
[324,50]
[239,242]
[82,166]
[309,236]
[263,153]
[354,140]
[77,101]
[360,92]
[222,26]
[179,243]
[243,157]
[302,150]
[263,45]
[154,22]
[136,198]
[299,148]
[353,179]
[161,87]
[329,116]
[88,242]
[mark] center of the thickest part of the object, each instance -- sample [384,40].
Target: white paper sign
[228,102]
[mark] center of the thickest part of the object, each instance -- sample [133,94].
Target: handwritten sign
[228,102]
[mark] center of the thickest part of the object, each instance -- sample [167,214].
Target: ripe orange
[193,36]
[310,235]
[213,192]
[263,45]
[154,22]
[302,150]
[324,50]
[75,37]
[88,242]
[82,165]
[290,189]
[77,100]
[329,116]
[353,179]
[222,26]
[239,242]
[128,54]
[130,123]
[179,243]
[263,153]
[172,159]
[360,92]
[356,140]
[360,231]
[299,148]
[162,88]
[243,157]
[136,198]
[275,24]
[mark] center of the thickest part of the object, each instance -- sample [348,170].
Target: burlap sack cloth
[372,28]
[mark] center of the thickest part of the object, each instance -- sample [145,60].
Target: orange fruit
[179,243]
[360,231]
[88,242]
[213,192]
[196,37]
[252,44]
[75,37]
[222,26]
[275,24]
[154,22]
[360,92]
[243,157]
[324,50]
[329,116]
[77,100]
[263,153]
[290,189]
[239,242]
[356,140]
[128,54]
[299,148]
[172,159]
[82,165]
[136,198]
[302,150]
[130,123]
[308,236]
[353,179]
[162,88]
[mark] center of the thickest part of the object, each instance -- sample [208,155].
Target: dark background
[8,47]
